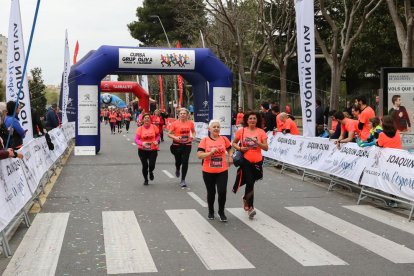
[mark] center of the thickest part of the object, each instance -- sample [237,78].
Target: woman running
[212,150]
[180,131]
[112,121]
[147,138]
[119,120]
[127,119]
[252,141]
[159,122]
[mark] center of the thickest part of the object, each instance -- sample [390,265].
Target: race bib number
[184,138]
[250,143]
[216,162]
[146,146]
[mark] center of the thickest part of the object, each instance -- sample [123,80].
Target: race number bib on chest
[216,162]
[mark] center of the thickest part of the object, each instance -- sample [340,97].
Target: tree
[37,91]
[2,91]
[278,21]
[345,23]
[405,33]
[241,18]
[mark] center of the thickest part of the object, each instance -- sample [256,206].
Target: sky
[92,22]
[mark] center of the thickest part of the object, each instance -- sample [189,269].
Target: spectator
[319,116]
[52,119]
[5,153]
[375,130]
[4,133]
[270,119]
[390,136]
[377,106]
[400,115]
[335,132]
[348,128]
[37,125]
[278,122]
[18,133]
[366,113]
[239,118]
[354,115]
[289,126]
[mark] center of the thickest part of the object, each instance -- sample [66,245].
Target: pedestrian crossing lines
[126,248]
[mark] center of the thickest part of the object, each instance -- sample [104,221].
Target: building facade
[3,57]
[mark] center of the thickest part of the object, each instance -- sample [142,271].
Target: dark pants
[127,125]
[113,127]
[211,180]
[148,159]
[181,154]
[119,123]
[249,179]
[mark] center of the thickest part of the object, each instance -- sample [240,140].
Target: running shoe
[223,217]
[251,212]
[210,216]
[183,184]
[177,173]
[151,175]
[145,182]
[245,205]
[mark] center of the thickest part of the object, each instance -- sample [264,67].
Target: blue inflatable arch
[199,66]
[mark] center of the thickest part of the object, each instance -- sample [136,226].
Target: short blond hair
[213,121]
[3,106]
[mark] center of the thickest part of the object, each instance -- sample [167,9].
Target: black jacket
[270,121]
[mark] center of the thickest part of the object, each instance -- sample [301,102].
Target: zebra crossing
[126,249]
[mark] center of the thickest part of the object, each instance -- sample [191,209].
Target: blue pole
[24,70]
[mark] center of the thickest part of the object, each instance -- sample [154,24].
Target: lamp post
[169,45]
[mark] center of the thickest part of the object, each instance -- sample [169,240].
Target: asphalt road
[99,219]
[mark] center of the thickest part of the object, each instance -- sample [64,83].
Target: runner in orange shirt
[127,119]
[212,150]
[112,121]
[147,138]
[239,117]
[252,141]
[182,132]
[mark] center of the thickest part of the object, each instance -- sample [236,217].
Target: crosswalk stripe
[168,173]
[383,216]
[38,252]
[125,248]
[296,246]
[211,247]
[389,250]
[198,199]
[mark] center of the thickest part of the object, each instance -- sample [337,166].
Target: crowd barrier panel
[22,180]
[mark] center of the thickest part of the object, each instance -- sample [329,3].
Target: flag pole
[24,69]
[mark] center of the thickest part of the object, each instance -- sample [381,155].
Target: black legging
[248,178]
[119,123]
[211,180]
[148,159]
[181,154]
[127,125]
[113,127]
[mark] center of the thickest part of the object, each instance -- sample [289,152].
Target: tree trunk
[283,86]
[250,96]
[335,88]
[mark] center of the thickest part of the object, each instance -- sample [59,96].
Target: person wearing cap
[52,119]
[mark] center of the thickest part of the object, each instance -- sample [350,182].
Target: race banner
[306,63]
[15,66]
[65,84]
[391,171]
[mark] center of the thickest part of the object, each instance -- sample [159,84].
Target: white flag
[127,99]
[305,30]
[15,65]
[65,83]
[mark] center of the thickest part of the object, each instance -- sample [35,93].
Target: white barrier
[20,178]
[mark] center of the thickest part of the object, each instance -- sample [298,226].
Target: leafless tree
[405,31]
[345,25]
[278,21]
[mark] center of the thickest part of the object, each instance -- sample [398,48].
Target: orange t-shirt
[182,130]
[254,153]
[217,162]
[334,124]
[112,118]
[349,125]
[364,117]
[155,120]
[291,125]
[147,136]
[127,116]
[239,118]
[279,123]
[387,142]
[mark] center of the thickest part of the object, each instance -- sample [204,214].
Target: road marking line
[128,139]
[125,248]
[38,252]
[199,200]
[383,216]
[214,251]
[168,173]
[133,144]
[123,135]
[296,246]
[387,249]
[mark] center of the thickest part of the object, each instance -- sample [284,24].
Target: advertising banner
[166,59]
[87,110]
[15,66]
[65,83]
[306,63]
[391,171]
[222,108]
